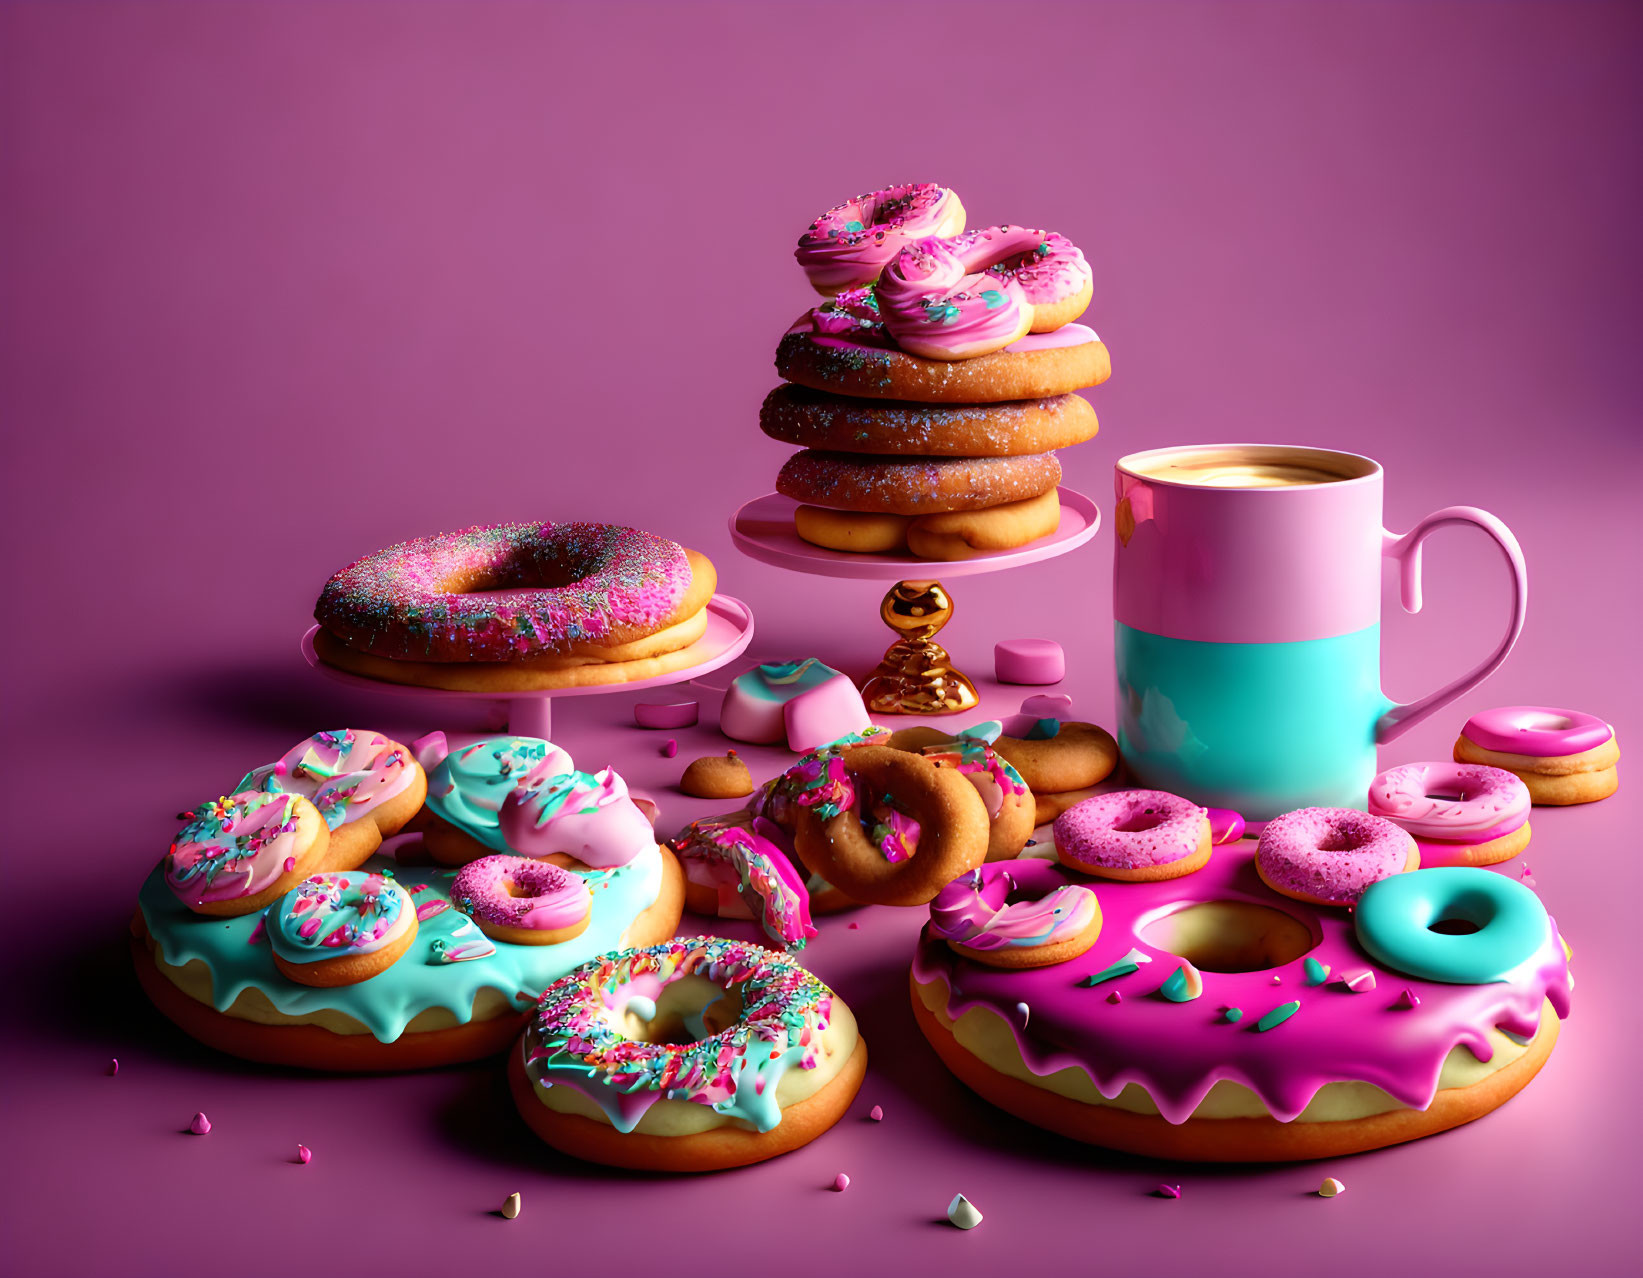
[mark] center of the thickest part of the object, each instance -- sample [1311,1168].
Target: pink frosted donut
[848,246]
[1459,814]
[1054,278]
[515,898]
[940,298]
[479,594]
[588,817]
[1016,914]
[1541,732]
[1328,856]
[239,852]
[1133,835]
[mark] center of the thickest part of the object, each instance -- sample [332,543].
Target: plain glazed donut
[809,418]
[693,1055]
[1458,814]
[848,246]
[1563,756]
[341,928]
[1328,856]
[523,901]
[1014,916]
[1134,835]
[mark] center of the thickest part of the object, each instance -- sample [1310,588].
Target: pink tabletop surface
[285,283]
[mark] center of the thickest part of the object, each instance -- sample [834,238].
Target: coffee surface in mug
[1247,467]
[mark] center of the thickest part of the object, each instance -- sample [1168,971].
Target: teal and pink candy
[468,786]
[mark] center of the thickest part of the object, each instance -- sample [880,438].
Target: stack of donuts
[928,394]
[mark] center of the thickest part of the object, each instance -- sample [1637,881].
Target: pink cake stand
[916,606]
[729,631]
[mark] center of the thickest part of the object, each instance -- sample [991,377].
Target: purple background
[285,283]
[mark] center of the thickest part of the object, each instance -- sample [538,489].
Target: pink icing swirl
[234,847]
[1541,732]
[939,298]
[1021,904]
[1453,802]
[515,891]
[589,817]
[1330,854]
[1130,830]
[848,246]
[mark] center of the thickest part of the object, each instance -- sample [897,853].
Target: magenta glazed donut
[848,246]
[1133,836]
[1458,813]
[1563,756]
[1328,856]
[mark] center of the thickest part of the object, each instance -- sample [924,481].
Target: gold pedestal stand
[915,675]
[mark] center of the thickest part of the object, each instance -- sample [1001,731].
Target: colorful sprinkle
[1316,973]
[876,1114]
[1115,997]
[1276,1017]
[1408,1001]
[1359,982]
[113,1066]
[670,748]
[1183,984]
[1167,1191]
[1022,1011]
[1131,962]
[1232,1015]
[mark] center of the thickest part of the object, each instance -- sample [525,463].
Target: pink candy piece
[825,713]
[1359,982]
[1225,825]
[665,714]
[876,1114]
[755,703]
[1029,661]
[670,747]
[1168,1191]
[1408,1001]
[200,1126]
[304,1154]
[113,1066]
[841,1182]
[430,751]
[1048,705]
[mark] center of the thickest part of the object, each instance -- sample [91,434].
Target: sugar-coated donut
[836,349]
[1134,836]
[770,1058]
[849,246]
[1020,915]
[341,928]
[515,606]
[522,900]
[1328,856]
[1459,814]
[1279,1056]
[1563,756]
[243,851]
[904,827]
[736,867]
[838,423]
[914,485]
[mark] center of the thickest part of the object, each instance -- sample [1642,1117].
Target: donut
[1015,916]
[857,532]
[692,1055]
[365,786]
[341,928]
[756,699]
[1134,836]
[1328,856]
[1408,923]
[1058,755]
[835,348]
[1458,814]
[717,777]
[1010,809]
[736,868]
[467,787]
[1052,275]
[905,828]
[522,900]
[914,485]
[1013,428]
[1563,756]
[936,298]
[1291,1048]
[849,246]
[517,606]
[244,851]
[942,537]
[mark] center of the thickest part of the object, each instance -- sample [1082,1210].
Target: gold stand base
[915,675]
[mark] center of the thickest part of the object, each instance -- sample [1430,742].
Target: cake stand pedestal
[530,714]
[915,676]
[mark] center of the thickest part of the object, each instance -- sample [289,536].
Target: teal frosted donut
[1396,918]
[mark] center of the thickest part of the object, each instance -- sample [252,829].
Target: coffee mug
[1247,604]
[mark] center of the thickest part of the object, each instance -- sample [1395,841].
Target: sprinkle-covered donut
[914,485]
[1133,835]
[938,299]
[693,1055]
[589,817]
[848,246]
[524,901]
[1023,914]
[1053,277]
[736,868]
[238,853]
[518,602]
[1328,856]
[1459,814]
[341,928]
[1563,756]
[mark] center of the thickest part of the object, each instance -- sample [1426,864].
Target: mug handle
[1407,551]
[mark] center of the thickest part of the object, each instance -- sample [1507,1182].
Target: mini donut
[366,786]
[1563,756]
[907,828]
[965,534]
[1016,916]
[341,928]
[849,246]
[693,1055]
[244,851]
[1398,922]
[1328,856]
[523,901]
[835,349]
[717,777]
[1009,803]
[937,299]
[1059,755]
[914,485]
[1458,814]
[1134,836]
[736,868]
[1054,278]
[838,423]
[517,606]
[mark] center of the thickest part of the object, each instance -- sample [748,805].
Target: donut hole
[1229,936]
[514,572]
[1146,819]
[686,1011]
[1454,926]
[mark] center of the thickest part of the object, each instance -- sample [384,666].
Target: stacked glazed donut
[929,393]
